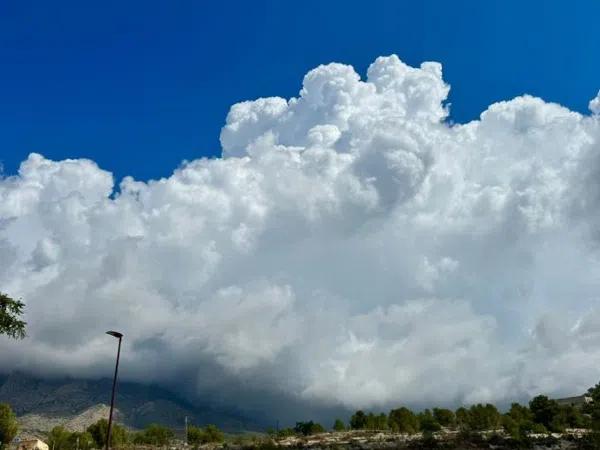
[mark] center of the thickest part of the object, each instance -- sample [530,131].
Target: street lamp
[119,336]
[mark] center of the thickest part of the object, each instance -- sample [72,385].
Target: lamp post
[119,336]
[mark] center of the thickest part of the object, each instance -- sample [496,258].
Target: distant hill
[77,402]
[36,425]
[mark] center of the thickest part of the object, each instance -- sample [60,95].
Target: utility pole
[186,430]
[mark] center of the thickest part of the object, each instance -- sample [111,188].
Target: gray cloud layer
[350,248]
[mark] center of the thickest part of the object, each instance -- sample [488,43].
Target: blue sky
[140,86]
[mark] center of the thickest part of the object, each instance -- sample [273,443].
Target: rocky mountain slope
[76,402]
[35,425]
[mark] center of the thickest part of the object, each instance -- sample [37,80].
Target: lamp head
[115,334]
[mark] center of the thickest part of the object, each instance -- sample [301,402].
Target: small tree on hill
[403,420]
[427,422]
[59,438]
[10,317]
[81,440]
[8,425]
[358,421]
[462,418]
[308,428]
[154,434]
[118,434]
[209,434]
[444,417]
[339,425]
[484,417]
[544,411]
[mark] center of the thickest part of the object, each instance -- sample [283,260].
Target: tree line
[540,416]
[94,437]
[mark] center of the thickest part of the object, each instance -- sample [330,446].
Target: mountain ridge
[64,399]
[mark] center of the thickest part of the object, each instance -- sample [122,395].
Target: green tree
[403,420]
[308,428]
[444,417]
[154,434]
[81,441]
[213,434]
[518,421]
[59,438]
[544,411]
[10,322]
[195,435]
[427,422]
[376,422]
[209,434]
[483,417]
[511,426]
[118,434]
[520,413]
[358,421]
[594,393]
[8,425]
[462,417]
[339,425]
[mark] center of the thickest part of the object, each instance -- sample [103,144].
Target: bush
[308,428]
[210,433]
[154,434]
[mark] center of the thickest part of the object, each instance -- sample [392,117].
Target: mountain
[36,425]
[78,402]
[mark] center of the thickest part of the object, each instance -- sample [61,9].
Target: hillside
[76,402]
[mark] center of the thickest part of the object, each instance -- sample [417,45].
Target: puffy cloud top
[350,248]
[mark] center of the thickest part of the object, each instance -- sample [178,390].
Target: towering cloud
[351,247]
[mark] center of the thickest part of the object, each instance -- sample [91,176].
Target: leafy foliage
[544,410]
[483,417]
[358,421]
[8,425]
[427,422]
[308,428]
[118,434]
[339,425]
[403,420]
[60,438]
[444,417]
[154,434]
[208,434]
[10,312]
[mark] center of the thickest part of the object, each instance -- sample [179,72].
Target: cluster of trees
[153,435]
[210,433]
[94,437]
[540,416]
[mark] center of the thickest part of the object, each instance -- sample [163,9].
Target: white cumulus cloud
[351,247]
